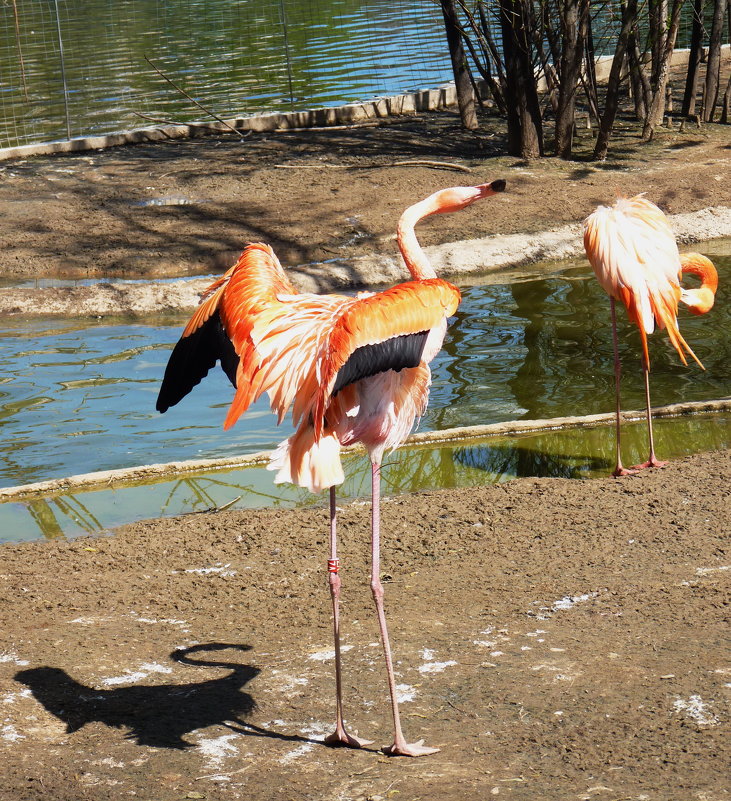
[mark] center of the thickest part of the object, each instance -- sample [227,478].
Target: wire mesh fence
[80,67]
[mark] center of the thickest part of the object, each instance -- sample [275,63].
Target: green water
[235,58]
[78,396]
[573,453]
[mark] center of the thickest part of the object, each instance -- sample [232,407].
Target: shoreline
[492,259]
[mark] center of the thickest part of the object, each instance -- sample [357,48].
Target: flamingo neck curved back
[444,201]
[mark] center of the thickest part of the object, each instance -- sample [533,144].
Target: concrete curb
[442,97]
[439,98]
[496,258]
[143,473]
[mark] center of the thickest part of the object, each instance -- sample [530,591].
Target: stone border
[498,258]
[136,475]
[380,108]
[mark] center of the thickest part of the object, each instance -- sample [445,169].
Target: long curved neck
[699,300]
[414,256]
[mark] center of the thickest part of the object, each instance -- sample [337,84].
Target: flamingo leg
[340,736]
[400,747]
[618,470]
[653,461]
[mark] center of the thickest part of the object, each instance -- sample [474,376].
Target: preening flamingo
[353,369]
[633,251]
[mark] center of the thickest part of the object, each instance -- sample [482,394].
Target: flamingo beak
[492,188]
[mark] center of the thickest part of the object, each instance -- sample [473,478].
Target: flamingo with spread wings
[633,251]
[352,369]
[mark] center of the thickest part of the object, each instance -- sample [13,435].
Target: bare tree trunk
[484,52]
[463,84]
[713,65]
[573,29]
[592,93]
[658,13]
[641,89]
[611,103]
[725,109]
[657,106]
[525,129]
[694,59]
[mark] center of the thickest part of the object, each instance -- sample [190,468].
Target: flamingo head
[459,197]
[699,300]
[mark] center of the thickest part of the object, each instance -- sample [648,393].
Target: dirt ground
[319,195]
[556,639]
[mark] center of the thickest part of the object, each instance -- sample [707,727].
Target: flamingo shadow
[155,715]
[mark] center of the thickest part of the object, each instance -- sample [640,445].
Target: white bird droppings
[12,657]
[216,749]
[134,676]
[405,693]
[10,734]
[696,709]
[325,656]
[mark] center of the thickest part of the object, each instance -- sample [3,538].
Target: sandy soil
[557,639]
[320,195]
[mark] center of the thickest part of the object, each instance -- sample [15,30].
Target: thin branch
[192,100]
[437,165]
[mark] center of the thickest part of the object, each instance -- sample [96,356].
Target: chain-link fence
[73,68]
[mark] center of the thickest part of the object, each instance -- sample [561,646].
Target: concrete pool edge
[507,257]
[152,472]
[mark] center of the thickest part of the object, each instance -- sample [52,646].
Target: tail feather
[307,462]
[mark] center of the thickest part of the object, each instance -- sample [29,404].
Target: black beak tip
[498,186]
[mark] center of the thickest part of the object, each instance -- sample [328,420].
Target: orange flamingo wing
[217,331]
[304,348]
[389,330]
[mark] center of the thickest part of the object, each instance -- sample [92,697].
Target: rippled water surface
[233,58]
[77,397]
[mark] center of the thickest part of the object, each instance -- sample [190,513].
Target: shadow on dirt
[155,715]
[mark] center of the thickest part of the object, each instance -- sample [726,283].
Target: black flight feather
[393,354]
[193,357]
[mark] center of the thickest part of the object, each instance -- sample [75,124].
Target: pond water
[235,59]
[79,396]
[570,453]
[79,68]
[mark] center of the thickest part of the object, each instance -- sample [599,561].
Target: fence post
[63,71]
[286,53]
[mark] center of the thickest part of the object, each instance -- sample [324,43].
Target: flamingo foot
[409,749]
[340,737]
[653,461]
[623,471]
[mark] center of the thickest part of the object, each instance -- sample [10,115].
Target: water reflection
[571,453]
[235,58]
[542,348]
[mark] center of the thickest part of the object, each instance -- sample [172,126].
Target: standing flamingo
[635,258]
[354,369]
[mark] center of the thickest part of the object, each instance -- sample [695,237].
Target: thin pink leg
[400,747]
[618,470]
[339,736]
[653,461]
